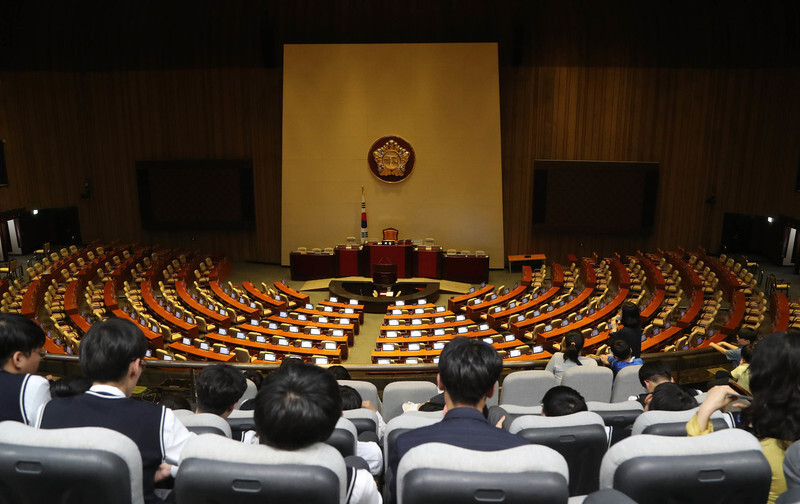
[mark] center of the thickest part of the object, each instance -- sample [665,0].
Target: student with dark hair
[366,449]
[339,372]
[468,370]
[174,402]
[774,412]
[22,393]
[570,357]
[670,396]
[742,372]
[733,353]
[112,356]
[299,405]
[219,388]
[562,400]
[621,356]
[254,376]
[653,373]
[631,331]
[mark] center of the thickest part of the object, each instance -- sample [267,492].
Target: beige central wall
[442,98]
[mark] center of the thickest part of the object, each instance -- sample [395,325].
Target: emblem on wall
[391,159]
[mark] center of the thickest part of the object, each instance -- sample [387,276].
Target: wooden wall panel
[708,90]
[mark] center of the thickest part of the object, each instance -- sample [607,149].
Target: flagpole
[364,232]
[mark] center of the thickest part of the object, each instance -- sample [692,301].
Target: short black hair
[339,372]
[562,400]
[351,399]
[174,402]
[747,352]
[109,347]
[654,369]
[671,397]
[469,369]
[18,334]
[748,334]
[218,388]
[621,349]
[298,406]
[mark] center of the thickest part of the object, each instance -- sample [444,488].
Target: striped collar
[108,391]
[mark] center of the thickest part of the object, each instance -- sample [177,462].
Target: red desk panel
[401,254]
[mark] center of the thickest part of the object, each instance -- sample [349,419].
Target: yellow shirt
[772,450]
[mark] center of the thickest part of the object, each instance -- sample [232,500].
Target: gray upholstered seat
[671,423]
[592,382]
[344,437]
[527,388]
[581,438]
[367,390]
[627,384]
[364,420]
[215,469]
[726,466]
[205,423]
[511,412]
[86,464]
[399,425]
[249,393]
[436,473]
[397,393]
[617,414]
[240,421]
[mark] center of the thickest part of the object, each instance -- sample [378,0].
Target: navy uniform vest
[12,393]
[142,422]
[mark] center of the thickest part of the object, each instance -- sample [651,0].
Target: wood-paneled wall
[708,91]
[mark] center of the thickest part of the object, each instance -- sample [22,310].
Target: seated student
[257,378]
[468,370]
[298,406]
[621,357]
[562,400]
[339,372]
[219,388]
[742,372]
[70,386]
[22,393]
[570,357]
[367,450]
[631,331]
[112,356]
[733,353]
[670,396]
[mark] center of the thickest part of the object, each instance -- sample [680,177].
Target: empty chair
[437,473]
[627,384]
[214,469]
[672,423]
[592,382]
[344,437]
[727,466]
[527,388]
[87,464]
[581,438]
[364,420]
[367,390]
[397,393]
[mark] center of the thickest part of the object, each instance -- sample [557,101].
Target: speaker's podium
[384,274]
[400,254]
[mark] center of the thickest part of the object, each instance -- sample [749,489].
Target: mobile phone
[741,390]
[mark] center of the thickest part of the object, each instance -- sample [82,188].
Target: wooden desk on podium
[401,254]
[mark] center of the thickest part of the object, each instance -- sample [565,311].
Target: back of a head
[109,347]
[573,344]
[654,371]
[748,334]
[218,388]
[671,397]
[351,399]
[562,400]
[68,386]
[254,376]
[469,369]
[775,384]
[621,349]
[18,334]
[747,352]
[630,315]
[297,406]
[339,372]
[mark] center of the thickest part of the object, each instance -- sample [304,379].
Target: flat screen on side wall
[594,197]
[196,194]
